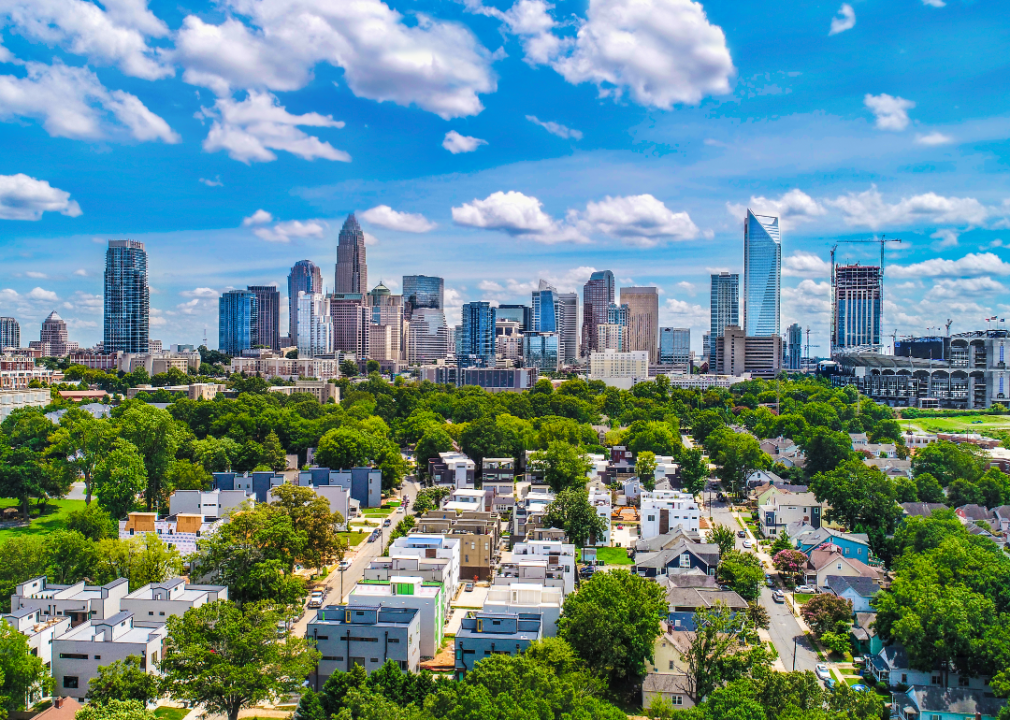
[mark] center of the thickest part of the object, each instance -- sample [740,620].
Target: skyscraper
[476,340]
[352,320]
[305,277]
[427,332]
[352,270]
[315,326]
[127,298]
[54,340]
[238,321]
[543,308]
[10,333]
[856,306]
[794,343]
[422,291]
[643,320]
[517,313]
[762,275]
[725,308]
[540,350]
[675,346]
[597,297]
[386,312]
[268,314]
[566,310]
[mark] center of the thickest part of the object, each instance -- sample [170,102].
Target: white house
[39,629]
[787,508]
[429,547]
[663,510]
[154,603]
[408,592]
[527,598]
[79,602]
[557,557]
[213,503]
[600,499]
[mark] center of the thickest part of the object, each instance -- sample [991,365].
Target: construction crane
[808,347]
[882,241]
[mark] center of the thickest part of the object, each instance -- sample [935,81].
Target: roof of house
[922,509]
[661,542]
[864,620]
[811,537]
[63,708]
[955,701]
[863,586]
[676,683]
[974,512]
[689,577]
[698,598]
[805,499]
[891,657]
[889,463]
[824,556]
[706,552]
[1002,512]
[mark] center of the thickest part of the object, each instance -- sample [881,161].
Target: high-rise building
[268,314]
[597,297]
[544,315]
[387,312]
[10,333]
[508,340]
[305,277]
[423,309]
[566,308]
[517,313]
[856,306]
[475,340]
[643,320]
[707,353]
[127,298]
[794,347]
[762,275]
[675,346]
[737,353]
[725,308]
[315,326]
[54,340]
[422,291]
[352,270]
[610,336]
[238,321]
[540,351]
[352,320]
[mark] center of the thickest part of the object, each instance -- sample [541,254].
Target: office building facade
[238,321]
[268,316]
[422,291]
[10,333]
[387,329]
[54,340]
[794,347]
[476,339]
[540,351]
[520,314]
[737,353]
[544,316]
[597,297]
[724,308]
[856,306]
[643,320]
[305,277]
[351,323]
[127,311]
[567,310]
[352,270]
[508,340]
[675,346]
[762,275]
[315,326]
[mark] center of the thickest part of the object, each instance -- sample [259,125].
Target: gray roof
[697,598]
[891,657]
[862,586]
[1003,512]
[689,577]
[865,620]
[666,683]
[706,552]
[660,542]
[956,701]
[974,512]
[922,509]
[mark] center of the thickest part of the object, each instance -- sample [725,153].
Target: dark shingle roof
[862,586]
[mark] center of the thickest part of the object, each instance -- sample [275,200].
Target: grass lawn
[354,538]
[801,598]
[613,556]
[54,519]
[963,423]
[171,713]
[377,512]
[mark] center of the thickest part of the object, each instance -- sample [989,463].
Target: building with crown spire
[54,340]
[352,270]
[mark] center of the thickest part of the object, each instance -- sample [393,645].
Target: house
[181,530]
[432,547]
[503,494]
[482,634]
[365,635]
[495,470]
[600,499]
[807,539]
[667,540]
[786,509]
[921,509]
[529,513]
[469,500]
[256,483]
[969,514]
[154,603]
[428,598]
[672,687]
[916,440]
[662,510]
[689,578]
[40,630]
[763,494]
[857,589]
[527,599]
[79,602]
[214,503]
[363,483]
[864,634]
[758,478]
[556,560]
[478,533]
[891,666]
[338,497]
[937,703]
[682,555]
[783,450]
[685,602]
[452,469]
[890,466]
[1001,518]
[829,560]
[666,676]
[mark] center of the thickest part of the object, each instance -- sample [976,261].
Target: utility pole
[795,641]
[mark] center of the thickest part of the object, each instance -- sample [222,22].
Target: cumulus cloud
[891,112]
[687,287]
[456,143]
[387,217]
[805,264]
[71,102]
[216,182]
[869,209]
[283,232]
[792,208]
[683,313]
[947,237]
[640,219]
[844,20]
[516,214]
[25,198]
[250,129]
[438,66]
[89,302]
[934,3]
[36,275]
[204,293]
[808,299]
[531,22]
[81,272]
[556,128]
[971,265]
[259,217]
[934,138]
[38,293]
[957,288]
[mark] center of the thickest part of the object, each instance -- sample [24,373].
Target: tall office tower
[675,346]
[352,270]
[427,332]
[386,312]
[127,298]
[315,326]
[508,339]
[597,297]
[268,309]
[540,350]
[618,314]
[794,347]
[725,308]
[643,320]
[352,320]
[422,291]
[544,315]
[762,275]
[305,277]
[10,333]
[706,349]
[610,336]
[476,337]
[517,313]
[566,309]
[856,306]
[54,340]
[238,321]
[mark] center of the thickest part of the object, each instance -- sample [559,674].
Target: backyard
[53,519]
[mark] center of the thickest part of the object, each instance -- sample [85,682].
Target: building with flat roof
[477,531]
[675,346]
[558,558]
[365,635]
[305,277]
[737,354]
[600,499]
[208,502]
[643,320]
[10,333]
[663,510]
[40,629]
[78,601]
[428,598]
[258,483]
[180,530]
[363,483]
[608,365]
[482,634]
[452,468]
[11,400]
[127,298]
[857,304]
[527,599]
[597,296]
[154,603]
[431,546]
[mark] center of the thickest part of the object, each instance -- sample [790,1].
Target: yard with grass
[613,556]
[377,512]
[171,713]
[802,598]
[961,423]
[53,519]
[353,538]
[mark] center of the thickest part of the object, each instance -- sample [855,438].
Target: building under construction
[857,299]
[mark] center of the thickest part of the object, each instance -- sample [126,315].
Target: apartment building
[527,599]
[213,503]
[529,512]
[478,533]
[431,547]
[663,510]
[482,634]
[365,635]
[79,602]
[453,469]
[428,598]
[555,557]
[40,630]
[257,483]
[497,470]
[363,483]
[180,530]
[154,603]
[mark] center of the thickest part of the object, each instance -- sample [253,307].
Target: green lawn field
[961,423]
[54,519]
[613,556]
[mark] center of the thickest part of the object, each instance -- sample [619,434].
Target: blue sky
[497,142]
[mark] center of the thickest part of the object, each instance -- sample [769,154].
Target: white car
[344,564]
[822,672]
[748,544]
[806,590]
[316,599]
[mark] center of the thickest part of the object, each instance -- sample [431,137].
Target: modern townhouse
[79,602]
[482,634]
[154,603]
[428,598]
[365,635]
[519,598]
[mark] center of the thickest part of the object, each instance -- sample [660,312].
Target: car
[344,564]
[282,628]
[779,596]
[741,533]
[316,599]
[720,497]
[387,522]
[620,527]
[769,581]
[587,571]
[468,586]
[829,683]
[821,671]
[373,537]
[748,544]
[806,590]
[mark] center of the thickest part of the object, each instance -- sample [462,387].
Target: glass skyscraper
[540,350]
[724,309]
[674,346]
[475,344]
[794,344]
[127,298]
[268,323]
[516,313]
[597,297]
[545,317]
[762,275]
[422,291]
[10,333]
[238,321]
[305,277]
[352,270]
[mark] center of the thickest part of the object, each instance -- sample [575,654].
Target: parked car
[387,522]
[741,533]
[587,571]
[344,564]
[748,544]
[769,581]
[807,590]
[779,596]
[373,536]
[316,599]
[821,671]
[468,586]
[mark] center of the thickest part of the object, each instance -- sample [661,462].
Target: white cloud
[516,214]
[40,294]
[250,129]
[371,240]
[201,292]
[809,299]
[387,217]
[85,301]
[971,265]
[845,20]
[116,35]
[81,272]
[956,289]
[71,102]
[947,237]
[891,112]
[259,217]
[489,286]
[25,198]
[660,52]
[640,219]
[531,21]
[438,66]
[792,208]
[687,287]
[934,3]
[216,182]
[805,264]
[685,314]
[869,209]
[282,232]
[36,275]
[456,143]
[934,138]
[556,128]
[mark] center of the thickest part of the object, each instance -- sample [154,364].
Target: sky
[499,142]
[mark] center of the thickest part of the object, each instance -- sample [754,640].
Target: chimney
[57,702]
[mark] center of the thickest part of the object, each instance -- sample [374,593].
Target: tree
[928,489]
[563,466]
[791,563]
[93,522]
[70,557]
[742,572]
[737,455]
[216,454]
[187,475]
[947,462]
[119,478]
[905,490]
[704,423]
[859,496]
[782,542]
[372,366]
[757,615]
[312,520]
[724,537]
[825,449]
[654,436]
[719,651]
[645,468]
[226,658]
[693,470]
[348,368]
[571,511]
[430,498]
[825,611]
[115,710]
[273,453]
[343,448]
[22,674]
[612,623]
[24,437]
[837,642]
[123,680]
[434,441]
[151,560]
[156,436]
[79,444]
[21,557]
